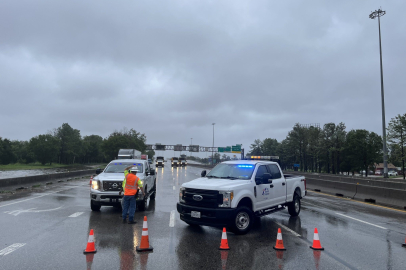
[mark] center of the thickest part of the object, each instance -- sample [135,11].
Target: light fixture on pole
[212,149]
[378,14]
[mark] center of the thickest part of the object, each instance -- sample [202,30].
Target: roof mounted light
[262,157]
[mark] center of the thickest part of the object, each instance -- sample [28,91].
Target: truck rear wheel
[243,220]
[294,207]
[94,207]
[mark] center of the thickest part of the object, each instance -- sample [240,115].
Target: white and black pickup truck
[234,192]
[106,186]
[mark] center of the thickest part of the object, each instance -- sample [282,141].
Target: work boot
[124,220]
[131,222]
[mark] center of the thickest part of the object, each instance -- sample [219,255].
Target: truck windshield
[118,167]
[232,171]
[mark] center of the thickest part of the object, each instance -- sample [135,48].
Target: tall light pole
[212,149]
[378,14]
[191,142]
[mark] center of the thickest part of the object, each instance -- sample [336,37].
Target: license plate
[195,214]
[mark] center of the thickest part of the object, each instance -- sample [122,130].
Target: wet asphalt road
[37,232]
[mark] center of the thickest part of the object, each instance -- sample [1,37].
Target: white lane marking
[11,248]
[76,214]
[31,210]
[362,221]
[173,187]
[288,229]
[49,193]
[172,219]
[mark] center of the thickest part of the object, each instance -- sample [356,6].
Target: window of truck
[232,171]
[275,172]
[118,167]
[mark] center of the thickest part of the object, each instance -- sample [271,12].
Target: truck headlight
[181,194]
[96,184]
[227,198]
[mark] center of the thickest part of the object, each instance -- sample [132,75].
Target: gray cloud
[170,69]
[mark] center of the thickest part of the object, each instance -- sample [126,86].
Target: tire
[141,204]
[295,206]
[243,220]
[154,193]
[94,207]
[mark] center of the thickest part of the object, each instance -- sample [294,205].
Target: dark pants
[129,206]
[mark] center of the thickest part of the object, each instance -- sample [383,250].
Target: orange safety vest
[131,185]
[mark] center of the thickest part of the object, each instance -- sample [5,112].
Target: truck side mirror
[266,178]
[203,174]
[98,171]
[146,173]
[152,172]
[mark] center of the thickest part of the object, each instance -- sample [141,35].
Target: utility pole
[191,142]
[212,149]
[378,14]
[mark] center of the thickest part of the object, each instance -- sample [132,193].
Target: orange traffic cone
[316,241]
[279,241]
[90,248]
[224,242]
[144,246]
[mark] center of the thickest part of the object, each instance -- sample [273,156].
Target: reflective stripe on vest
[131,189]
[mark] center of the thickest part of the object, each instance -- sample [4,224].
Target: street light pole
[191,142]
[212,149]
[378,14]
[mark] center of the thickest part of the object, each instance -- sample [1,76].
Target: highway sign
[236,148]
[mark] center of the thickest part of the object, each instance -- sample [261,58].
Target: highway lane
[49,229]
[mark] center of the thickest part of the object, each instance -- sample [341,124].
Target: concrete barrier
[41,178]
[382,192]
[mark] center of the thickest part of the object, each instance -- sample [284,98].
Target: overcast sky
[170,69]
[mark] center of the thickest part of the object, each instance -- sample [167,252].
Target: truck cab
[234,192]
[182,162]
[159,162]
[174,162]
[107,185]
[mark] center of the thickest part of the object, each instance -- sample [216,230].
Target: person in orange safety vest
[132,183]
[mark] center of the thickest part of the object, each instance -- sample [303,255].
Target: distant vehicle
[182,162]
[174,162]
[392,173]
[233,193]
[378,172]
[159,162]
[129,154]
[106,186]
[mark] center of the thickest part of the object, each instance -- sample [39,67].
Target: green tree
[44,147]
[363,148]
[125,139]
[91,149]
[270,147]
[22,152]
[256,148]
[70,143]
[151,154]
[6,152]
[396,137]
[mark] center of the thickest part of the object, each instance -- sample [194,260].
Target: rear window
[118,167]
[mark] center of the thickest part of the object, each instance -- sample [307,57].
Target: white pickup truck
[233,192]
[106,186]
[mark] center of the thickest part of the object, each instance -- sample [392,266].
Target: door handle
[283,184]
[271,186]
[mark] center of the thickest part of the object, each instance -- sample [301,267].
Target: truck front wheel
[243,220]
[94,207]
[294,206]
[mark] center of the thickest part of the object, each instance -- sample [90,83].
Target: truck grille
[211,198]
[112,185]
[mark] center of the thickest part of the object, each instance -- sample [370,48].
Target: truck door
[279,185]
[264,192]
[147,178]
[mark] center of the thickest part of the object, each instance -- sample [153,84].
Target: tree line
[65,145]
[332,149]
